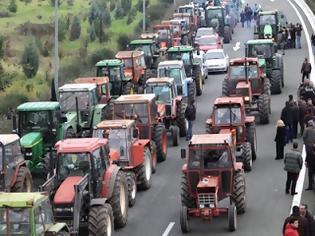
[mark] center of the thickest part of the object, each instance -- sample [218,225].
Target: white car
[216,60]
[203,32]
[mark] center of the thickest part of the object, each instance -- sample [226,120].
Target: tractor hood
[31,139]
[267,31]
[208,182]
[65,193]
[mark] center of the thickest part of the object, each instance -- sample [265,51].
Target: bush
[126,5]
[75,29]
[11,101]
[154,12]
[63,28]
[99,55]
[2,49]
[92,33]
[12,6]
[52,2]
[30,60]
[123,41]
[119,12]
[112,5]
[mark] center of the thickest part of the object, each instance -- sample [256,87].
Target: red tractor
[86,188]
[165,36]
[228,114]
[246,79]
[144,110]
[137,156]
[211,175]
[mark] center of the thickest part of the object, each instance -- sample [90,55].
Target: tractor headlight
[246,99]
[211,205]
[202,206]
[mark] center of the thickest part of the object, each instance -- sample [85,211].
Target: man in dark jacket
[292,165]
[306,69]
[190,115]
[287,117]
[310,219]
[302,112]
[298,30]
[303,223]
[309,140]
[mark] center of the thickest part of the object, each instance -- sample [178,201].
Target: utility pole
[56,51]
[143,20]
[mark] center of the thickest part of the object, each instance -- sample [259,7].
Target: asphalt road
[267,203]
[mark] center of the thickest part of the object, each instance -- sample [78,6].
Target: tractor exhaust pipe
[77,112]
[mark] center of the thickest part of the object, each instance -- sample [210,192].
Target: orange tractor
[86,188]
[137,156]
[165,36]
[246,79]
[228,114]
[144,110]
[210,175]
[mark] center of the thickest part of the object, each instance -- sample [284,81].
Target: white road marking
[272,0]
[168,229]
[237,46]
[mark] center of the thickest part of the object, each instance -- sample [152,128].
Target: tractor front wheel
[160,139]
[132,187]
[23,181]
[153,156]
[264,108]
[198,82]
[266,86]
[232,220]
[191,91]
[145,170]
[101,220]
[175,135]
[239,192]
[225,91]
[247,157]
[227,37]
[63,233]
[184,220]
[251,138]
[180,119]
[186,198]
[275,81]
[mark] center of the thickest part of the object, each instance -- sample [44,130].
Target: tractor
[193,12]
[246,79]
[175,69]
[29,214]
[80,109]
[144,109]
[216,18]
[86,188]
[210,175]
[192,67]
[137,156]
[114,69]
[174,106]
[266,51]
[228,114]
[181,34]
[165,36]
[14,173]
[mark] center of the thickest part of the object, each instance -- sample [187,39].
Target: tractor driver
[223,115]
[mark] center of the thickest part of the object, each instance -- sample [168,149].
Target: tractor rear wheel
[252,139]
[198,81]
[275,82]
[63,233]
[160,139]
[239,192]
[23,181]
[247,157]
[101,220]
[132,187]
[225,91]
[175,135]
[232,220]
[128,88]
[263,108]
[186,198]
[227,37]
[153,156]
[119,200]
[184,220]
[266,86]
[180,119]
[191,90]
[145,170]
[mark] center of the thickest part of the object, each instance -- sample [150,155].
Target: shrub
[92,33]
[123,41]
[63,28]
[119,12]
[75,29]
[2,48]
[30,60]
[126,5]
[99,55]
[11,101]
[12,6]
[112,5]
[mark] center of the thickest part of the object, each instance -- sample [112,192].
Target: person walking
[292,165]
[280,139]
[298,33]
[302,227]
[190,115]
[248,15]
[313,42]
[293,35]
[302,112]
[242,16]
[306,69]
[310,219]
[291,227]
[287,118]
[309,140]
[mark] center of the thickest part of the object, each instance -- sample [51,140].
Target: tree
[30,60]
[2,49]
[12,6]
[126,5]
[92,32]
[75,29]
[63,28]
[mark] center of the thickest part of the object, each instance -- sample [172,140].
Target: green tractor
[114,70]
[266,51]
[192,67]
[28,214]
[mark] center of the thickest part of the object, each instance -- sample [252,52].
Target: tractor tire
[181,120]
[128,88]
[191,90]
[108,112]
[252,139]
[225,90]
[63,233]
[198,83]
[186,198]
[23,181]
[275,82]
[153,156]
[145,171]
[119,200]
[247,157]
[232,219]
[101,220]
[208,128]
[267,86]
[184,220]
[239,192]
[69,133]
[227,37]
[47,168]
[132,187]
[175,135]
[160,139]
[264,108]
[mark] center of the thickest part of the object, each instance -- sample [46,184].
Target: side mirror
[183,153]
[14,124]
[135,133]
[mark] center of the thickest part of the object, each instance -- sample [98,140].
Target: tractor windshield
[34,121]
[239,72]
[113,73]
[13,154]
[172,73]
[214,13]
[227,116]
[16,221]
[138,111]
[184,56]
[118,141]
[185,10]
[73,164]
[256,50]
[127,62]
[146,48]
[203,41]
[164,34]
[44,218]
[267,19]
[161,91]
[68,100]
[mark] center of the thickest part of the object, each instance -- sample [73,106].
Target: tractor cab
[184,53]
[188,18]
[165,36]
[263,48]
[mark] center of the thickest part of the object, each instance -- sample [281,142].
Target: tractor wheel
[191,90]
[181,120]
[232,219]
[198,81]
[119,200]
[227,34]
[128,88]
[175,135]
[145,171]
[208,128]
[153,156]
[69,133]
[63,233]
[108,112]
[247,157]
[184,220]
[225,90]
[275,82]
[132,187]
[160,139]
[239,192]
[263,108]
[252,139]
[186,198]
[267,86]
[101,220]
[23,181]
[47,168]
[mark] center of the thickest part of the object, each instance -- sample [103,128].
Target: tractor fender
[109,181]
[98,201]
[18,166]
[57,227]
[137,150]
[249,119]
[97,116]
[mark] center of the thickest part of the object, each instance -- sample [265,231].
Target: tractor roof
[136,98]
[142,42]
[228,100]
[259,41]
[184,14]
[211,139]
[21,199]
[112,124]
[110,63]
[77,87]
[161,80]
[250,60]
[186,6]
[213,7]
[181,49]
[128,54]
[38,106]
[95,80]
[166,22]
[148,35]
[8,138]
[161,26]
[80,145]
[171,63]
